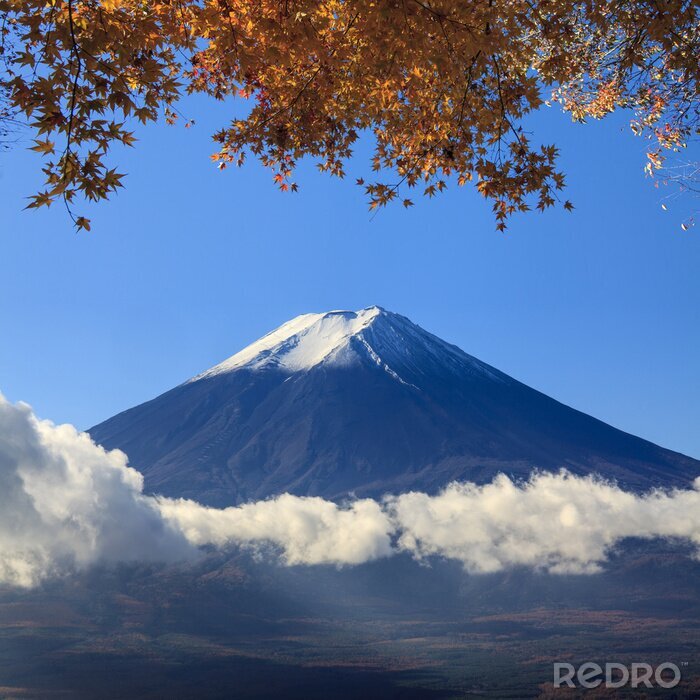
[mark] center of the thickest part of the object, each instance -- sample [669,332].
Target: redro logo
[616,675]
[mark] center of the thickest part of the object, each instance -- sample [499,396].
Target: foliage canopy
[443,85]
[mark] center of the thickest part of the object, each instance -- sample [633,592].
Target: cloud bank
[305,530]
[66,503]
[559,523]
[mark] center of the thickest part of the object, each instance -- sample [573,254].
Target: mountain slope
[364,402]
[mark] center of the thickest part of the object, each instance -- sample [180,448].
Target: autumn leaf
[82,223]
[45,147]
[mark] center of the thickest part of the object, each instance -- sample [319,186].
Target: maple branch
[69,133]
[467,87]
[440,16]
[504,116]
[227,7]
[79,66]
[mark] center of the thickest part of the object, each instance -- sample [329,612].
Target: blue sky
[599,308]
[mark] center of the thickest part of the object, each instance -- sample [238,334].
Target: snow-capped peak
[301,343]
[344,338]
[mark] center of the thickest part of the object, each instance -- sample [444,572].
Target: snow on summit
[303,342]
[341,338]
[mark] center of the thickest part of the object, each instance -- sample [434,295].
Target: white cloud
[66,503]
[307,530]
[556,522]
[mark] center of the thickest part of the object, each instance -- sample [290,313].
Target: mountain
[365,402]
